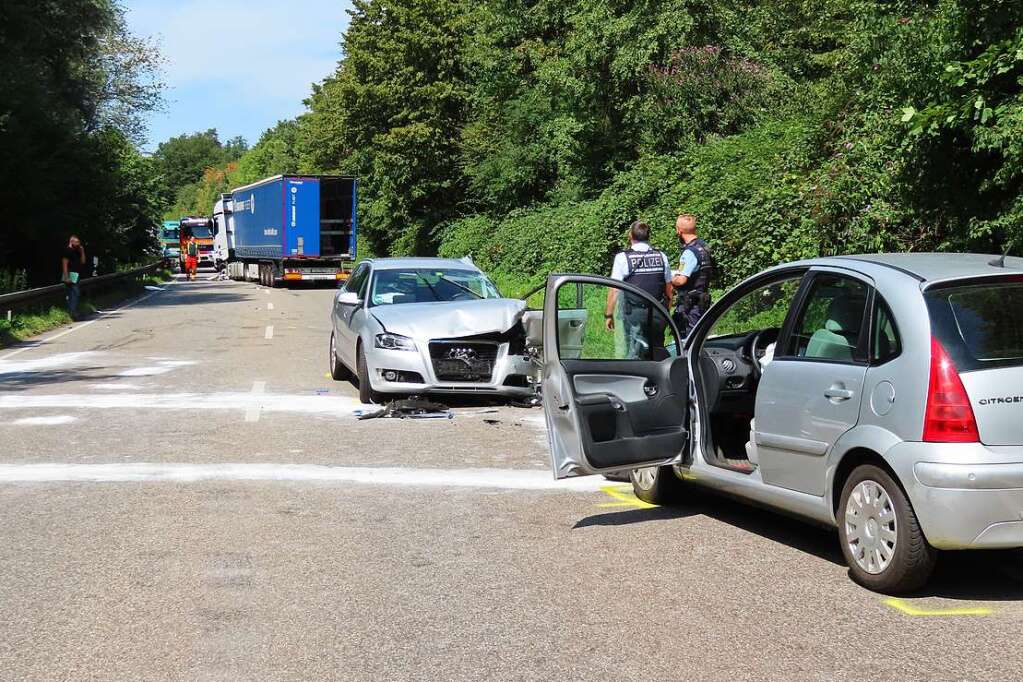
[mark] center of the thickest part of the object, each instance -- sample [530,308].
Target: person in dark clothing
[693,278]
[72,266]
[646,268]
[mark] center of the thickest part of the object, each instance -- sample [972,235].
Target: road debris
[413,408]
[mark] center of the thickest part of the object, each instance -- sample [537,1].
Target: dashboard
[729,374]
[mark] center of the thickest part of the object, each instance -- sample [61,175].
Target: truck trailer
[289,228]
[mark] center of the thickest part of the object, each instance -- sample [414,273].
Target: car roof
[934,267]
[420,263]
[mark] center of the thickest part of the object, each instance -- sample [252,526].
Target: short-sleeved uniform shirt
[620,268]
[688,263]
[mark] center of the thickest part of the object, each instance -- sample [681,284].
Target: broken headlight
[389,341]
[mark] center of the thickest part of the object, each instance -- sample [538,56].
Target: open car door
[613,398]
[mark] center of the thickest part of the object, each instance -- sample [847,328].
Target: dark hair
[640,231]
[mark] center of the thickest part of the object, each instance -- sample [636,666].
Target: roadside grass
[24,326]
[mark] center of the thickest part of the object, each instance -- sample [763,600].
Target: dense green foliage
[183,163]
[530,133]
[73,87]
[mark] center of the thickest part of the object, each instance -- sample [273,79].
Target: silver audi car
[879,394]
[427,325]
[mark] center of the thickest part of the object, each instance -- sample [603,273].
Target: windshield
[391,287]
[171,233]
[200,232]
[980,325]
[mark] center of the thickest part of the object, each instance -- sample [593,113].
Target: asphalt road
[186,495]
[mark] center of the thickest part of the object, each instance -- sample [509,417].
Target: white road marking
[269,306]
[311,403]
[144,371]
[506,479]
[45,421]
[269,332]
[115,387]
[252,413]
[44,363]
[48,339]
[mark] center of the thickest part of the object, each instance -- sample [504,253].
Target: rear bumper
[965,496]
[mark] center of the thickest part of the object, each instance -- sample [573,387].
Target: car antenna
[1000,261]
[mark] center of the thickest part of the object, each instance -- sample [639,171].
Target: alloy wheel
[871,527]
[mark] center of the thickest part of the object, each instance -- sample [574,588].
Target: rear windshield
[980,325]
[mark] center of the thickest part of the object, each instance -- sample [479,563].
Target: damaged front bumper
[457,366]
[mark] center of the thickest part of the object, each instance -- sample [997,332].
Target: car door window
[885,343]
[762,308]
[639,328]
[356,283]
[831,321]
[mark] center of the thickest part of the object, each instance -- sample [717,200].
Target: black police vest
[700,281]
[646,272]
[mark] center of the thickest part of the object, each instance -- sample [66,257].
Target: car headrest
[845,314]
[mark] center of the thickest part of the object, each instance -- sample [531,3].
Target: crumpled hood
[450,319]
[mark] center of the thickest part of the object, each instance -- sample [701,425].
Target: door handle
[838,394]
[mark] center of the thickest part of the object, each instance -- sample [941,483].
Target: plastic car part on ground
[413,408]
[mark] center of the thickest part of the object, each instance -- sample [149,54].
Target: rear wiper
[460,286]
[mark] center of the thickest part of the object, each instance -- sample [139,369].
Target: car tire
[872,502]
[366,393]
[657,485]
[338,371]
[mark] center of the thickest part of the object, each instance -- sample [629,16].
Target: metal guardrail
[28,299]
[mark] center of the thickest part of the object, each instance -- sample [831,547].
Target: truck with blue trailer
[288,228]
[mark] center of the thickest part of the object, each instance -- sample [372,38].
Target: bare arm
[612,296]
[64,265]
[679,280]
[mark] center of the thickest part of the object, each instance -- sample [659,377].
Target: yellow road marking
[910,610]
[625,498]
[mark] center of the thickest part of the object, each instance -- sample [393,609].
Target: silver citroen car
[879,394]
[427,325]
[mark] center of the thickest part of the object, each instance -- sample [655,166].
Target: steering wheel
[749,353]
[750,346]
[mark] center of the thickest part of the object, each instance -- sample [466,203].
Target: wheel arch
[860,445]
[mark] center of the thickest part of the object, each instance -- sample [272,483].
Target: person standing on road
[72,264]
[693,278]
[191,257]
[646,268]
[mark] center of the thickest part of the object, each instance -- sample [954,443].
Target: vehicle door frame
[559,393]
[863,348]
[345,321]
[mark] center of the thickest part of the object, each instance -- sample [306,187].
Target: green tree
[392,115]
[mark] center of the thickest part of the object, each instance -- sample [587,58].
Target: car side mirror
[348,298]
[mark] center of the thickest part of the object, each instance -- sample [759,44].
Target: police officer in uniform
[692,281]
[648,269]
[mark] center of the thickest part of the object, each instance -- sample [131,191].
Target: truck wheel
[881,538]
[338,371]
[366,393]
[656,485]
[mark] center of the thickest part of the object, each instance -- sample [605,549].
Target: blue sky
[237,65]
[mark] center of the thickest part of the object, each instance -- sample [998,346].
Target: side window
[636,329]
[884,343]
[831,321]
[761,309]
[356,283]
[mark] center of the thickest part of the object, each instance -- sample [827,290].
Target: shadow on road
[20,381]
[806,537]
[994,575]
[967,575]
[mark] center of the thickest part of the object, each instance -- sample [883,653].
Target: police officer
[646,268]
[692,281]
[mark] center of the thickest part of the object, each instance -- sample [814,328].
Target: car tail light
[949,415]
